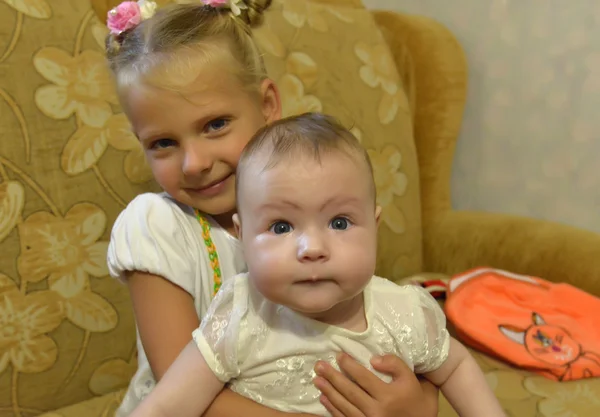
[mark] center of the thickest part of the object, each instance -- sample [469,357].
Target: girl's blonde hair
[180,38]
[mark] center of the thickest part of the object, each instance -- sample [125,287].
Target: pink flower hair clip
[236,6]
[129,14]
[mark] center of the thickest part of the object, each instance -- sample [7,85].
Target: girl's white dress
[156,234]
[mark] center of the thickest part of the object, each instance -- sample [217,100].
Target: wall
[530,140]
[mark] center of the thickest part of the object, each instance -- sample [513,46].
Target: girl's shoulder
[154,204]
[155,234]
[158,235]
[155,214]
[159,211]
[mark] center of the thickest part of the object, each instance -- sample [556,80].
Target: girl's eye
[280,228]
[162,143]
[340,223]
[216,125]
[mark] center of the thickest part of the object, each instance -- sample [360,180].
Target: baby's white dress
[267,352]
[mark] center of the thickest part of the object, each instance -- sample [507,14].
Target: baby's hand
[372,397]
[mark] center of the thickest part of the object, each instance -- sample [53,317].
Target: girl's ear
[237,225]
[271,101]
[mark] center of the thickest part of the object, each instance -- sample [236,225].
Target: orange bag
[551,329]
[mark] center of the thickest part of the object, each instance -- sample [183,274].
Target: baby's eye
[280,228]
[162,143]
[216,125]
[340,223]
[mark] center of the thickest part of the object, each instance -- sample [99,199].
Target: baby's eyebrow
[345,200]
[281,204]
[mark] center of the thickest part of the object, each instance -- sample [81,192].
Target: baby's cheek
[271,275]
[357,266]
[268,261]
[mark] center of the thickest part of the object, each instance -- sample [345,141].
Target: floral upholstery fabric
[68,165]
[523,394]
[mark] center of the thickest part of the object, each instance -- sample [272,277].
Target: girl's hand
[369,396]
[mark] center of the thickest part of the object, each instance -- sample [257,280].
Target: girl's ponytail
[253,14]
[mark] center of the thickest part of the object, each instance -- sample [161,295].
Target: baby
[307,219]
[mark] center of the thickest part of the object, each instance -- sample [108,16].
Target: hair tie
[235,6]
[129,14]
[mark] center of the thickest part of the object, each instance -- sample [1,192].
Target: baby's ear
[377,214]
[237,225]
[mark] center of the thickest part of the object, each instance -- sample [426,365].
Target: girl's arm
[459,377]
[231,404]
[166,317]
[186,389]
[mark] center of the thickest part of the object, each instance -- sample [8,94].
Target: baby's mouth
[314,281]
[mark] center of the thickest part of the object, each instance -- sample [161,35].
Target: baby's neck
[349,314]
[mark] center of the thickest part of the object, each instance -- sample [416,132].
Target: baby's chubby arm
[464,385]
[186,390]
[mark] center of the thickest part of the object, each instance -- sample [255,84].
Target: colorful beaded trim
[212,251]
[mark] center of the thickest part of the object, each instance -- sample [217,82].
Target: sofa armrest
[433,69]
[458,240]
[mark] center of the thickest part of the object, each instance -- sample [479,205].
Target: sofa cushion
[524,394]
[103,406]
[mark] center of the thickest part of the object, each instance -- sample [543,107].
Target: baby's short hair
[308,134]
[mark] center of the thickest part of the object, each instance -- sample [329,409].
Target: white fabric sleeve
[219,336]
[433,339]
[149,236]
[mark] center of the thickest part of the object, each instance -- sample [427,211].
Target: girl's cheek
[165,170]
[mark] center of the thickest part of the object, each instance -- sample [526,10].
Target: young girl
[194,88]
[307,220]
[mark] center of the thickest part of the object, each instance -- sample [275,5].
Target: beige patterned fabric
[68,165]
[61,186]
[525,395]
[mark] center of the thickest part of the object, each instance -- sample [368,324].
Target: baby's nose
[313,248]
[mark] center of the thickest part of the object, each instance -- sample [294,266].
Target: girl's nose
[195,161]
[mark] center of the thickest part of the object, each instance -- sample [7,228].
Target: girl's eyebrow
[152,136]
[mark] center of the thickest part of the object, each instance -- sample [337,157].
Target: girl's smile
[212,189]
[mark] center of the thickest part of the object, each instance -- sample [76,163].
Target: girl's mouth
[211,190]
